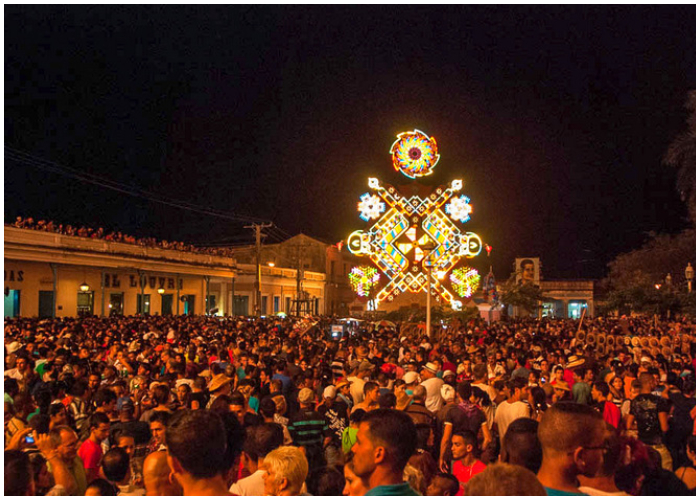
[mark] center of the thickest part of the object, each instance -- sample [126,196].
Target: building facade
[50,274]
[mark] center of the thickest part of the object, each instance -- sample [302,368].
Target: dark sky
[556,118]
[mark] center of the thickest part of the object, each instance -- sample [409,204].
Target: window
[263,305]
[143,303]
[276,305]
[85,303]
[332,269]
[288,305]
[211,303]
[116,304]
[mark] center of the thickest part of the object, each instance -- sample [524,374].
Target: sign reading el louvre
[410,237]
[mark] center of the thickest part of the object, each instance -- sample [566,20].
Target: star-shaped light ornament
[370,206]
[459,209]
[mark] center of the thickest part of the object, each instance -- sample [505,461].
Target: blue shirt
[392,490]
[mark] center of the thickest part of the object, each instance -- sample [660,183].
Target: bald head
[647,381]
[156,476]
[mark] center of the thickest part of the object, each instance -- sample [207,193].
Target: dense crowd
[116,236]
[197,405]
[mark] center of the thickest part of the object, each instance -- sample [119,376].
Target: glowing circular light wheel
[414,154]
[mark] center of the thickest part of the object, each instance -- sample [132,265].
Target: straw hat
[218,381]
[573,361]
[653,342]
[581,336]
[560,384]
[666,341]
[635,341]
[341,383]
[645,341]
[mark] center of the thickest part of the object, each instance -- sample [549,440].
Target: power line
[50,166]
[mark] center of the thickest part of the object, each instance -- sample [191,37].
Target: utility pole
[299,278]
[258,278]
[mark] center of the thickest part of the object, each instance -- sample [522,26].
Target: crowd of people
[201,405]
[116,236]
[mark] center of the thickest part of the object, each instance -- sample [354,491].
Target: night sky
[556,118]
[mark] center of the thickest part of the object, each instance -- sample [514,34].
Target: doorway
[166,304]
[116,304]
[11,303]
[46,304]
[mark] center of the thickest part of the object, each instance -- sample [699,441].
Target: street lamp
[689,275]
[669,280]
[161,291]
[657,286]
[84,287]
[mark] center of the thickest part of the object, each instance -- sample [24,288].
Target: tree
[681,155]
[637,279]
[525,296]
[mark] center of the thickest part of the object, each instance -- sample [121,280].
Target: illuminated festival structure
[411,238]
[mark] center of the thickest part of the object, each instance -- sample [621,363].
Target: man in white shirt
[432,384]
[260,440]
[513,408]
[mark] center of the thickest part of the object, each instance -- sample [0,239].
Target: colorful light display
[414,154]
[414,236]
[370,207]
[459,209]
[465,281]
[363,279]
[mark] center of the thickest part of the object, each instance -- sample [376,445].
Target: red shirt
[464,474]
[91,454]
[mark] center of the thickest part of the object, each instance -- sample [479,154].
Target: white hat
[329,392]
[402,339]
[447,392]
[13,347]
[448,373]
[183,381]
[411,377]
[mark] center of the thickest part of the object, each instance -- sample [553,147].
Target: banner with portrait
[527,270]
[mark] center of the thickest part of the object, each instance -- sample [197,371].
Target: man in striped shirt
[310,429]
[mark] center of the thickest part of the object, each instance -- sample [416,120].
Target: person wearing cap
[220,385]
[562,391]
[432,384]
[342,387]
[336,414]
[310,429]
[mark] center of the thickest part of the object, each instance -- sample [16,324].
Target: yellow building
[50,274]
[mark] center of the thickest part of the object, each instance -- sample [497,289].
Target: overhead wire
[50,166]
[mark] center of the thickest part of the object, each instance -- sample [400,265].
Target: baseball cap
[329,392]
[411,377]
